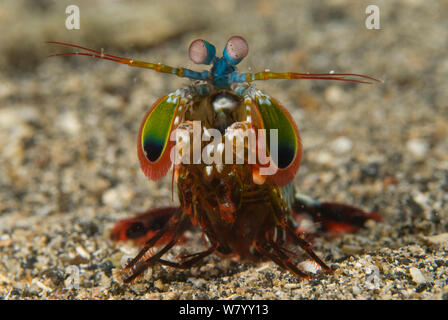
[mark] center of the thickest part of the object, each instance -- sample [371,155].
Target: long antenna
[158,67]
[234,77]
[267,75]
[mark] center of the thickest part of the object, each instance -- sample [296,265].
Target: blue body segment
[238,77]
[221,72]
[194,75]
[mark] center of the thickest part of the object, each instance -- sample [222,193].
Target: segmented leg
[280,251]
[333,216]
[283,262]
[306,247]
[137,266]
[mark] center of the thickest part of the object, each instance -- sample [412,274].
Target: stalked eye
[201,52]
[236,49]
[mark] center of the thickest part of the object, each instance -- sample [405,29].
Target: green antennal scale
[154,143]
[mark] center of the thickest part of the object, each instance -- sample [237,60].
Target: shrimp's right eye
[236,49]
[202,52]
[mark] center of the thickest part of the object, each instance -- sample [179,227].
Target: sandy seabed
[68,129]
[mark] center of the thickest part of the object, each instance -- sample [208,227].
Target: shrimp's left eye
[201,52]
[236,49]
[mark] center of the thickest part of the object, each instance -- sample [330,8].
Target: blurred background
[68,130]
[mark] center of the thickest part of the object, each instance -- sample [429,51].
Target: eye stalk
[236,49]
[201,52]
